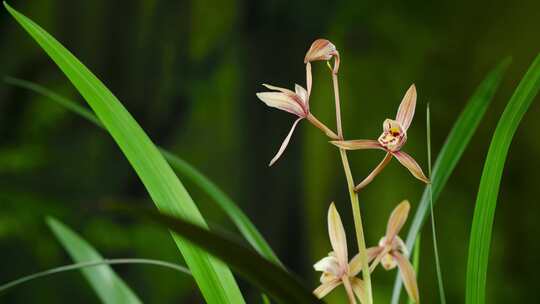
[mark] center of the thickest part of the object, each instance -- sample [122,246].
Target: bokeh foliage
[188,71]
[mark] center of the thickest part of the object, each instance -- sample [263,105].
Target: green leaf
[269,277]
[214,279]
[109,287]
[451,153]
[90,264]
[486,200]
[231,209]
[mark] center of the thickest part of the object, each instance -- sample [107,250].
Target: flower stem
[357,216]
[317,123]
[348,288]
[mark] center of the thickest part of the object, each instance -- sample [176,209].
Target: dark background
[188,71]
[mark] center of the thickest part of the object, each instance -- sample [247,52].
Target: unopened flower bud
[321,49]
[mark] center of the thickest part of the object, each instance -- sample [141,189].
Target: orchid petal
[309,78]
[282,90]
[282,101]
[328,264]
[337,235]
[326,288]
[409,163]
[302,93]
[355,266]
[285,143]
[375,172]
[321,49]
[397,220]
[406,109]
[359,289]
[408,276]
[359,144]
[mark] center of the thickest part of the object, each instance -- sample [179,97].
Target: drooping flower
[320,50]
[296,103]
[335,267]
[391,250]
[391,140]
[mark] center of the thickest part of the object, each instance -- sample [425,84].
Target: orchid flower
[296,103]
[392,252]
[335,267]
[391,140]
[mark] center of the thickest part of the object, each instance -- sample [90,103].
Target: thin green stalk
[81,265]
[433,230]
[416,261]
[357,216]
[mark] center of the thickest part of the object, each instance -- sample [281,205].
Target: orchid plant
[336,268]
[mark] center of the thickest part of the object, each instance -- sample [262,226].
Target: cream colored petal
[309,78]
[321,49]
[355,266]
[337,235]
[408,162]
[408,276]
[283,90]
[396,220]
[325,288]
[285,143]
[374,173]
[328,264]
[281,101]
[405,112]
[359,289]
[358,144]
[302,93]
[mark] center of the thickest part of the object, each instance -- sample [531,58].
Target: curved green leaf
[269,277]
[486,200]
[109,287]
[214,279]
[451,152]
[231,209]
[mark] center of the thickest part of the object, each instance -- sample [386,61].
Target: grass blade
[451,152]
[88,265]
[416,260]
[231,209]
[214,279]
[269,277]
[486,200]
[109,287]
[442,296]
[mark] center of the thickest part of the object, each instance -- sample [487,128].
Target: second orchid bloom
[391,141]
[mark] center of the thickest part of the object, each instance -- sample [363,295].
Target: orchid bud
[321,49]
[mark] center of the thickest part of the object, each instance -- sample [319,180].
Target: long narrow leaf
[214,279]
[231,209]
[486,200]
[269,277]
[109,287]
[451,152]
[88,265]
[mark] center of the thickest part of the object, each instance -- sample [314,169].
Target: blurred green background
[188,71]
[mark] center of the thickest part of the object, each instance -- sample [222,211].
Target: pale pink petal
[281,101]
[359,289]
[309,78]
[408,162]
[285,143]
[396,220]
[375,172]
[303,94]
[405,112]
[321,49]
[325,288]
[337,235]
[283,90]
[408,276]
[358,144]
[355,266]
